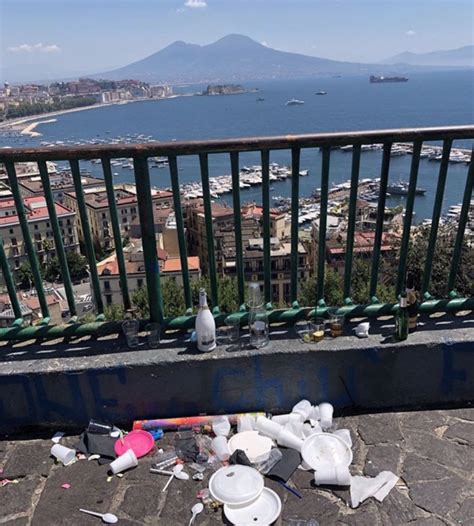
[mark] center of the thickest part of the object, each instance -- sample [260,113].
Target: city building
[27,169]
[61,183]
[280,222]
[98,212]
[170,268]
[165,229]
[40,229]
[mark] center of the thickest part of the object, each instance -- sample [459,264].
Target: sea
[351,103]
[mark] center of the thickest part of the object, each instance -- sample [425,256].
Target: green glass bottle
[401,318]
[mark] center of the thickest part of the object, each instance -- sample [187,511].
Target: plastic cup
[288,439]
[64,454]
[334,475]
[303,408]
[153,335]
[221,426]
[220,447]
[130,329]
[245,423]
[123,462]
[281,419]
[336,323]
[267,427]
[326,411]
[229,333]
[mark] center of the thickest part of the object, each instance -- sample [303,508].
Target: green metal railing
[234,147]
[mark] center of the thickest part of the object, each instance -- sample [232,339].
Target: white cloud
[195,3]
[31,48]
[410,33]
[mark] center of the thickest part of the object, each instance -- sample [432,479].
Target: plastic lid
[322,449]
[236,485]
[264,510]
[254,445]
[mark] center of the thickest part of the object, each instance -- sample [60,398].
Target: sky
[54,38]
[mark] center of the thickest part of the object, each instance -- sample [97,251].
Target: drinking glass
[336,323]
[228,333]
[153,335]
[130,329]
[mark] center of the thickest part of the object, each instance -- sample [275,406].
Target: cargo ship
[378,80]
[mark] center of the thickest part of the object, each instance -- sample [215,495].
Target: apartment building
[28,169]
[127,208]
[40,229]
[170,268]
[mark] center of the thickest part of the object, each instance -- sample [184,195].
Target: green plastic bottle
[401,318]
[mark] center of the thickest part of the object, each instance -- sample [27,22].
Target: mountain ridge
[458,57]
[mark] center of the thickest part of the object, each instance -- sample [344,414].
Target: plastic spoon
[196,510]
[108,518]
[177,472]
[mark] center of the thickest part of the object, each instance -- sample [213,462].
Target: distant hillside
[235,58]
[460,57]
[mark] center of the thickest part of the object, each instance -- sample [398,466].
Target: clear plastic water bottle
[258,318]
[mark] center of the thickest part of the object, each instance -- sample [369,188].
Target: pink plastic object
[139,441]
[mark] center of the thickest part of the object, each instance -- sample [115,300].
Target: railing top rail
[246,144]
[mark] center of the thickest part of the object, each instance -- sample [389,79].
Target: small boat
[321,92]
[294,102]
[260,99]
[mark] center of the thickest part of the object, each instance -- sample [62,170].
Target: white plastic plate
[253,444]
[236,485]
[323,449]
[263,511]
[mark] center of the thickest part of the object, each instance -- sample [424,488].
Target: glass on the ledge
[335,322]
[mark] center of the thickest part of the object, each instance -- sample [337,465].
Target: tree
[25,275]
[333,288]
[140,301]
[114,312]
[77,265]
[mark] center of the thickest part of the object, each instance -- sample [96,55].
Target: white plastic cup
[281,419]
[123,462]
[333,475]
[326,411]
[288,439]
[315,413]
[296,427]
[345,434]
[64,454]
[221,426]
[303,408]
[220,447]
[245,423]
[268,427]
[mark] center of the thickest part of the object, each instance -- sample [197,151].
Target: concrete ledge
[63,385]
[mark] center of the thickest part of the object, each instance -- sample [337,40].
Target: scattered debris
[66,486]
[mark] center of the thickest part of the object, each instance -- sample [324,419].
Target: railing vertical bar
[234,162]
[178,213]
[267,260]
[323,212]
[295,205]
[147,225]
[109,185]
[204,163]
[387,147]
[86,231]
[462,227]
[58,240]
[443,171]
[9,282]
[352,221]
[402,266]
[30,249]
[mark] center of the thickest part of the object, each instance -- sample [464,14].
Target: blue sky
[68,37]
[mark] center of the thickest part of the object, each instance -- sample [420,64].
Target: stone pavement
[431,451]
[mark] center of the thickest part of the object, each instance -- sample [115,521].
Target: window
[36,227]
[68,222]
[13,240]
[139,283]
[124,220]
[60,222]
[104,215]
[108,299]
[47,225]
[16,252]
[11,230]
[17,263]
[69,230]
[106,285]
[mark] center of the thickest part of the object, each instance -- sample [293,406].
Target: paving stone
[382,458]
[397,508]
[462,431]
[465,514]
[430,521]
[426,421]
[380,429]
[16,498]
[89,490]
[465,414]
[418,469]
[314,505]
[446,452]
[20,521]
[366,514]
[440,496]
[29,458]
[143,501]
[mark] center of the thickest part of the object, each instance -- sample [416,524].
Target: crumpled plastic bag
[364,487]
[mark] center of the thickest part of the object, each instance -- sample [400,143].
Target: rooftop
[34,184]
[35,208]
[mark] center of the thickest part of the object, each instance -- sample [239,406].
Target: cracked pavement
[431,451]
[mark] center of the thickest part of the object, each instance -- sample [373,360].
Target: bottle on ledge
[401,318]
[205,325]
[412,302]
[258,318]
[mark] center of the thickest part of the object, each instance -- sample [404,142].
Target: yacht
[294,102]
[321,92]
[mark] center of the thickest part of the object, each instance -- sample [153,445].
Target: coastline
[17,124]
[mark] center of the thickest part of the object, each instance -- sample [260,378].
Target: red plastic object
[139,441]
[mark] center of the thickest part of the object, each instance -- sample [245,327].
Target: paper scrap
[66,486]
[57,437]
